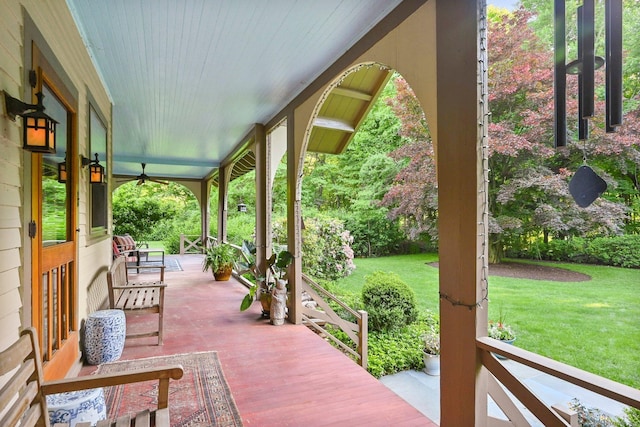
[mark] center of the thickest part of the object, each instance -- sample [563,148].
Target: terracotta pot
[265,301]
[223,275]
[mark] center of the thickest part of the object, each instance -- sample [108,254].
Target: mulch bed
[533,272]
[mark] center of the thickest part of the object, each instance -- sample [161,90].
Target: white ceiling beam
[352,93]
[335,124]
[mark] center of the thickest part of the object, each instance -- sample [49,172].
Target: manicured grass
[157,244]
[592,325]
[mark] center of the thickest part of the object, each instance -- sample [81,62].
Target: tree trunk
[496,250]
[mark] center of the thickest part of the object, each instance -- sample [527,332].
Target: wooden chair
[136,297]
[23,397]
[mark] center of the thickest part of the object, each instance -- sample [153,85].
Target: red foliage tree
[413,195]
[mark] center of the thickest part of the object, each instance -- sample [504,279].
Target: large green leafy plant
[276,269]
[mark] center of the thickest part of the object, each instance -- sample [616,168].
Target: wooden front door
[53,237]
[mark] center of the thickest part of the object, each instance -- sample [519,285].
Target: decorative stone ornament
[278,303]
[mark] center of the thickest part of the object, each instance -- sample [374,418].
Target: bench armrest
[162,373]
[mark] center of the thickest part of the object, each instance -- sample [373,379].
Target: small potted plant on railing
[265,282]
[502,332]
[431,352]
[220,260]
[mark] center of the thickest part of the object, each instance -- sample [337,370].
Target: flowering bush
[501,331]
[326,247]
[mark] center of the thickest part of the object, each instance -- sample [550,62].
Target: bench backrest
[21,396]
[117,276]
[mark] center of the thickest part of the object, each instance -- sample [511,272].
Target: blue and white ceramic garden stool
[104,335]
[77,406]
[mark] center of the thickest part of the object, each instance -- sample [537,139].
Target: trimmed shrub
[390,302]
[631,418]
[618,251]
[400,350]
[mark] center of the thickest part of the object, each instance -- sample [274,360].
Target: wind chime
[586,186]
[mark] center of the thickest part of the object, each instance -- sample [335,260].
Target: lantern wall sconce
[62,171]
[96,170]
[38,129]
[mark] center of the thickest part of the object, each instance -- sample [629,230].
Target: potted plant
[264,282]
[220,260]
[501,331]
[431,352]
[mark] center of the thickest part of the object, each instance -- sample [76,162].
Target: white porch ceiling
[189,78]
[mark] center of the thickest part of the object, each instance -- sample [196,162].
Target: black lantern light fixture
[96,170]
[62,171]
[38,129]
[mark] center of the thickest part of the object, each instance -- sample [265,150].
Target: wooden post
[263,195]
[294,230]
[461,88]
[363,337]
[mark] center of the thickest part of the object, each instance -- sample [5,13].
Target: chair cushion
[116,251]
[129,242]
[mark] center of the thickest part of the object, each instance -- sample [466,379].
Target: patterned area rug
[200,398]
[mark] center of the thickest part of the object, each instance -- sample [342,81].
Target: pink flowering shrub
[326,247]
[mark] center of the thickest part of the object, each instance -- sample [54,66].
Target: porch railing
[317,318]
[190,244]
[548,415]
[320,314]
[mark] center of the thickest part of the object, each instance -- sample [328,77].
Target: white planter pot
[431,364]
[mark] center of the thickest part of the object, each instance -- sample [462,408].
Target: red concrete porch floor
[278,375]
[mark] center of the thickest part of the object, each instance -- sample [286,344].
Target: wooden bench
[136,297]
[23,397]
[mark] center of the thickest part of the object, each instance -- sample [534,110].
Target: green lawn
[157,244]
[593,325]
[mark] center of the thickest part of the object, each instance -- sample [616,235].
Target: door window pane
[54,226]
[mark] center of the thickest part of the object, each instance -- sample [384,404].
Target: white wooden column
[462,217]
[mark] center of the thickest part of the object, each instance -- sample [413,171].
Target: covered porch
[285,375]
[278,376]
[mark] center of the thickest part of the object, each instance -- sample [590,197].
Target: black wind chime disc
[586,186]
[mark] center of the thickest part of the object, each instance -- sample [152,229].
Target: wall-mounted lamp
[62,171]
[242,207]
[39,130]
[96,170]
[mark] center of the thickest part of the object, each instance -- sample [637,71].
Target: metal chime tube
[585,67]
[613,34]
[583,123]
[560,74]
[588,58]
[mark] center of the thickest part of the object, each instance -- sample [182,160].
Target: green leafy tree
[373,233]
[139,209]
